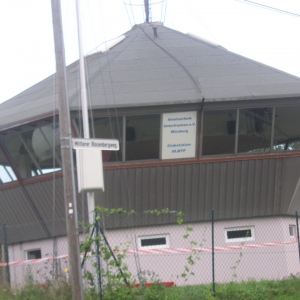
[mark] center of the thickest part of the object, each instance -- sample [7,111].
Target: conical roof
[144,69]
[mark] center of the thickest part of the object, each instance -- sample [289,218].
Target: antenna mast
[147,10]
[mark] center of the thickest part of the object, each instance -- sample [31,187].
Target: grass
[287,289]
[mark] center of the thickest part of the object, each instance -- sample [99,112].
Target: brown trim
[43,177]
[202,160]
[9,185]
[159,163]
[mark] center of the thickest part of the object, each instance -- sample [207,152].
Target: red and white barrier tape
[163,251]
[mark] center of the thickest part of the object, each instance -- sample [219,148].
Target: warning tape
[162,251]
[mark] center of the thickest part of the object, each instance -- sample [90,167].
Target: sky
[27,49]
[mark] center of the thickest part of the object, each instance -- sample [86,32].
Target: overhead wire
[269,8]
[119,134]
[193,11]
[196,82]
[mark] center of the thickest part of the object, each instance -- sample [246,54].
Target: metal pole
[6,254]
[84,105]
[98,258]
[297,226]
[67,154]
[213,251]
[84,108]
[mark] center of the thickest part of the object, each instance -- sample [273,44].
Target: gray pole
[213,251]
[6,254]
[297,227]
[67,154]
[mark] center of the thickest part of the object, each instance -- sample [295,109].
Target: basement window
[292,230]
[239,234]
[33,254]
[154,241]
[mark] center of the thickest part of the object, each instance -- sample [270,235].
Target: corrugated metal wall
[234,189]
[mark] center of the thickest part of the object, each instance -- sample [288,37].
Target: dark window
[238,234]
[34,254]
[142,137]
[108,128]
[287,129]
[153,242]
[219,132]
[255,127]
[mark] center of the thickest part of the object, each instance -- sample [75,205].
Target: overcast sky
[27,51]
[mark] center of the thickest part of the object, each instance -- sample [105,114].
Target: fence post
[6,254]
[297,226]
[213,252]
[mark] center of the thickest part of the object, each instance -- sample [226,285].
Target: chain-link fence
[189,253]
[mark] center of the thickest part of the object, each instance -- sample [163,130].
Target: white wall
[262,262]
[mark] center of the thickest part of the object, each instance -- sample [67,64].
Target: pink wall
[259,262]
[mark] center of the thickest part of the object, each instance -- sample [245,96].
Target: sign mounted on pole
[101,144]
[89,162]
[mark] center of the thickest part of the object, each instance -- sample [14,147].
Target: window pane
[20,155]
[45,143]
[6,172]
[34,254]
[142,137]
[235,234]
[287,129]
[239,234]
[255,126]
[109,128]
[218,132]
[32,150]
[153,242]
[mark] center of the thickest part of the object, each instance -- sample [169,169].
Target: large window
[251,130]
[219,132]
[35,151]
[142,137]
[108,128]
[6,173]
[287,129]
[255,126]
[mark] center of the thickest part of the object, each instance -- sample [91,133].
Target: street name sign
[101,144]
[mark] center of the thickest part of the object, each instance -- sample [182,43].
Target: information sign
[179,135]
[101,144]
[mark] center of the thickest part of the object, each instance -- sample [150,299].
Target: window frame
[153,236]
[32,250]
[293,227]
[239,228]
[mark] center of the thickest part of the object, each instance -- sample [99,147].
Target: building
[200,129]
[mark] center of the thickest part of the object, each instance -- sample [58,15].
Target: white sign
[179,135]
[101,144]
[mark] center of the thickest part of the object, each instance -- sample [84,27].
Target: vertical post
[213,251]
[67,154]
[6,254]
[146,4]
[297,226]
[98,257]
[84,108]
